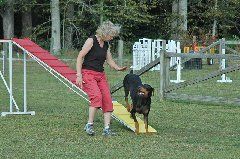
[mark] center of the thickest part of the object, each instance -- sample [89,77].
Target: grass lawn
[184,129]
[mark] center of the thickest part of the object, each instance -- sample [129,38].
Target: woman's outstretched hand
[122,68]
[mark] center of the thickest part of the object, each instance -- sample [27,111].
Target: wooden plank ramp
[121,114]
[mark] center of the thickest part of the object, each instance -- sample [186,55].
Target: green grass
[184,129]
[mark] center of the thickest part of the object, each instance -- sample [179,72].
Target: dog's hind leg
[126,91]
[128,105]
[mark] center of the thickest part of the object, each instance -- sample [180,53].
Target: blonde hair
[108,29]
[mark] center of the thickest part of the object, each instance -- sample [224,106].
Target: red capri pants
[97,89]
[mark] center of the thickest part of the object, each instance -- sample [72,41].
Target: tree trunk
[120,52]
[214,28]
[8,20]
[27,23]
[55,17]
[8,27]
[179,11]
[175,20]
[68,38]
[183,14]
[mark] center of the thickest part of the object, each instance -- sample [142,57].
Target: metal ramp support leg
[10,90]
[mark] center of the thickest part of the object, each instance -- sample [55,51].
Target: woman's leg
[107,119]
[107,105]
[91,88]
[91,115]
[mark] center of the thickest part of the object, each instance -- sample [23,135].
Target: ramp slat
[35,49]
[64,70]
[54,63]
[45,56]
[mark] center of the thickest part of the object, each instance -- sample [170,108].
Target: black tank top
[96,57]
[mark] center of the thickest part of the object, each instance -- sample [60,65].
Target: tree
[27,23]
[55,36]
[67,25]
[26,11]
[8,19]
[179,24]
[219,16]
[183,13]
[214,27]
[175,19]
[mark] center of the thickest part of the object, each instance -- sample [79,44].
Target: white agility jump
[147,50]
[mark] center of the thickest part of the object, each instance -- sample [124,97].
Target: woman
[91,77]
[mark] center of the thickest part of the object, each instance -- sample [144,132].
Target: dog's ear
[150,89]
[153,91]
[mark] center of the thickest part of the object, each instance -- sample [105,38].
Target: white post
[145,45]
[224,78]
[3,64]
[136,56]
[10,76]
[24,82]
[149,51]
[171,47]
[157,46]
[179,67]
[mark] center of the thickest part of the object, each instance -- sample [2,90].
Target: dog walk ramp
[121,114]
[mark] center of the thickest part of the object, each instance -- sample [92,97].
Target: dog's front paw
[137,131]
[128,108]
[136,128]
[147,132]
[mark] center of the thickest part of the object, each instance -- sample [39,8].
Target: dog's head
[145,91]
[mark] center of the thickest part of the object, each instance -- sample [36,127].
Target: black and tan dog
[141,98]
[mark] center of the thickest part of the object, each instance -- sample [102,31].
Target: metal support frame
[3,62]
[10,87]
